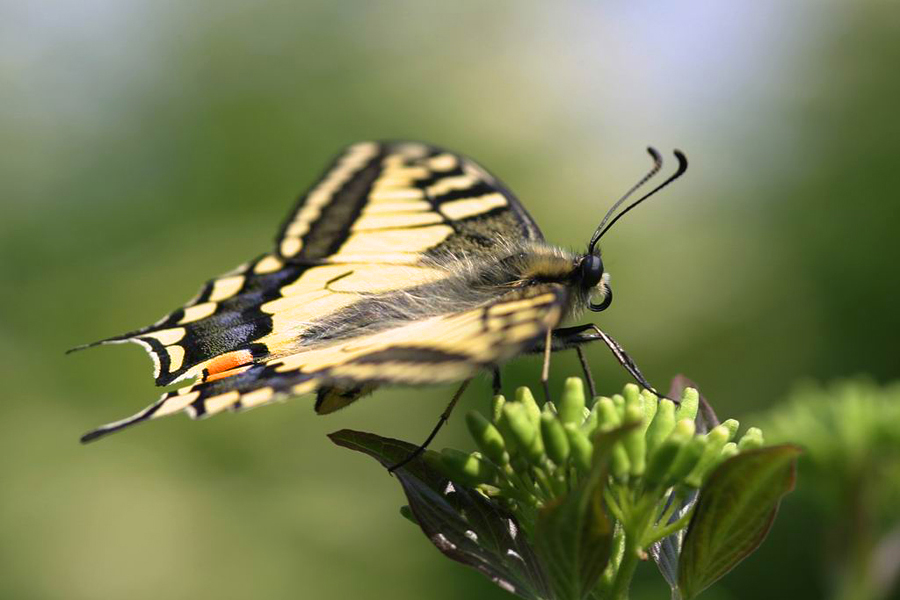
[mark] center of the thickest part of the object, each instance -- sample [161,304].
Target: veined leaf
[461,522]
[734,513]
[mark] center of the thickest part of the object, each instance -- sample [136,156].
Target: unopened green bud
[497,407]
[619,465]
[571,404]
[728,450]
[715,441]
[686,460]
[632,395]
[651,405]
[581,448]
[506,430]
[535,452]
[607,415]
[634,413]
[555,439]
[664,456]
[524,430]
[662,425]
[526,398]
[684,429]
[751,440]
[634,441]
[487,437]
[733,425]
[690,402]
[619,403]
[468,469]
[609,418]
[591,421]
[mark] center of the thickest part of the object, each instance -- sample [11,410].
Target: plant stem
[517,481]
[662,532]
[613,506]
[638,516]
[543,483]
[626,568]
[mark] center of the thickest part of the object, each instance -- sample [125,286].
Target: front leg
[566,338]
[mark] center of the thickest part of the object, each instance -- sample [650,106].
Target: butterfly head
[592,277]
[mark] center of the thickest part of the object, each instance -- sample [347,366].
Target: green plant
[563,500]
[850,432]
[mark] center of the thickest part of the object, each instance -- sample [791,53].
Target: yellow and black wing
[440,349]
[374,192]
[373,224]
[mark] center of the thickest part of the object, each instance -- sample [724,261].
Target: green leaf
[461,522]
[573,535]
[734,512]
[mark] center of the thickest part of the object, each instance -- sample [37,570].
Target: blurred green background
[151,145]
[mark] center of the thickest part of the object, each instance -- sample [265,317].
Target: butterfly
[404,264]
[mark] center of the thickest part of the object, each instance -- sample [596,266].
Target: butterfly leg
[565,338]
[587,371]
[496,384]
[441,420]
[545,370]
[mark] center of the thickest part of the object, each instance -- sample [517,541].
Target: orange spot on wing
[228,373]
[227,365]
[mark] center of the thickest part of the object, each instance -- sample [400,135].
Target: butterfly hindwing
[439,349]
[223,318]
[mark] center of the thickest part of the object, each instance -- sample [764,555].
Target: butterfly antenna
[657,165]
[682,167]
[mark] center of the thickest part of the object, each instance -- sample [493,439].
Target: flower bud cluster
[529,454]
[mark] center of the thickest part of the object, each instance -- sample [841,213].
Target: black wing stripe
[334,223]
[332,190]
[480,188]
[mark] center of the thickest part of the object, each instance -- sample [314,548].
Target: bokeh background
[150,145]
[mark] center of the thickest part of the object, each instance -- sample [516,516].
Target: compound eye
[591,270]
